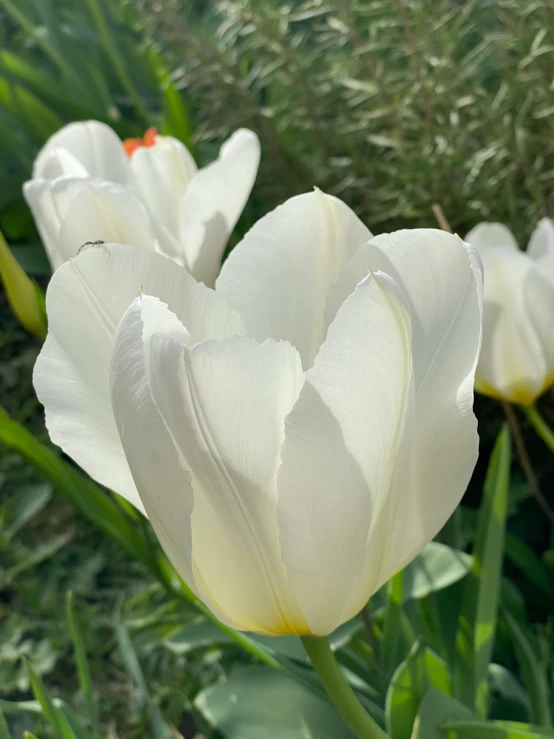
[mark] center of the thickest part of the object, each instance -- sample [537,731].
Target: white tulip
[517,358]
[85,188]
[297,435]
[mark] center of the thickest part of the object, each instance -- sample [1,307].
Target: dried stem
[441,218]
[371,637]
[525,460]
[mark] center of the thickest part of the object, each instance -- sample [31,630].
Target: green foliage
[393,106]
[478,616]
[255,702]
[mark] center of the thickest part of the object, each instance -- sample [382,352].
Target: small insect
[90,243]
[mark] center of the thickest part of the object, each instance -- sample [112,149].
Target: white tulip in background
[517,358]
[85,187]
[297,435]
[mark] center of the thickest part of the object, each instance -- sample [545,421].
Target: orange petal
[149,138]
[131,145]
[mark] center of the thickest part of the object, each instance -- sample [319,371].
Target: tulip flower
[517,359]
[89,186]
[297,435]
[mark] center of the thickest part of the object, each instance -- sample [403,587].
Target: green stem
[540,425]
[338,689]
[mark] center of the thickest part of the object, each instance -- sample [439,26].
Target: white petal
[69,212]
[490,235]
[85,301]
[514,359]
[541,247]
[341,444]
[441,280]
[59,163]
[38,194]
[163,483]
[161,174]
[225,404]
[213,202]
[538,294]
[279,275]
[95,145]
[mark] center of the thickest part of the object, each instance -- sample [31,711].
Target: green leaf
[434,710]
[201,633]
[525,558]
[38,119]
[423,669]
[495,730]
[435,568]
[532,673]
[29,501]
[46,86]
[4,730]
[52,713]
[114,54]
[478,615]
[83,493]
[83,669]
[175,120]
[508,698]
[34,557]
[393,643]
[133,668]
[33,259]
[257,702]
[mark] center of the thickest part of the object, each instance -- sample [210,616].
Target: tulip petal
[513,363]
[541,246]
[279,275]
[225,404]
[538,295]
[441,279]
[162,173]
[490,235]
[38,194]
[60,163]
[213,202]
[162,481]
[95,145]
[340,448]
[70,212]
[85,301]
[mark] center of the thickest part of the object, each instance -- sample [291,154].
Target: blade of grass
[133,668]
[477,619]
[532,673]
[83,669]
[52,714]
[494,730]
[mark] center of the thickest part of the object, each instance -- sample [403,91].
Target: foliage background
[391,105]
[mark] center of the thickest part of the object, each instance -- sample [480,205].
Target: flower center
[149,139]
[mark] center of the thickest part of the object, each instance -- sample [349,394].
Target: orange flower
[149,139]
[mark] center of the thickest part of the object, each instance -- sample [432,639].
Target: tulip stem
[339,690]
[540,425]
